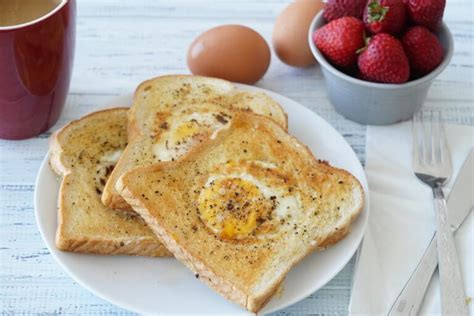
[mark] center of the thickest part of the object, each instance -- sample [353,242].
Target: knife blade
[461,198]
[460,203]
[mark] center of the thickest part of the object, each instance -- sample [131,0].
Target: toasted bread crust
[96,242]
[116,202]
[147,248]
[129,160]
[205,274]
[200,270]
[129,187]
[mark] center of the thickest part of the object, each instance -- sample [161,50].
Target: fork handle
[453,299]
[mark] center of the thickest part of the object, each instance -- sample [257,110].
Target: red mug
[35,70]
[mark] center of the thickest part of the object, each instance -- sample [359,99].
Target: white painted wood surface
[119,44]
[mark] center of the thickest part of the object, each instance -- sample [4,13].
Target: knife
[460,203]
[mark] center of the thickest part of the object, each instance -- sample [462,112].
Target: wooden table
[121,43]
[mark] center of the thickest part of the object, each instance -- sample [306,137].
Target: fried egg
[104,168]
[181,132]
[237,203]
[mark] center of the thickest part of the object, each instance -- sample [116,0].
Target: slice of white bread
[243,208]
[83,153]
[171,114]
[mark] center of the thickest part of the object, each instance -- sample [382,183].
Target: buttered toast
[172,114]
[244,207]
[83,153]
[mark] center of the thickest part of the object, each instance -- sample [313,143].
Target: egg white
[107,160]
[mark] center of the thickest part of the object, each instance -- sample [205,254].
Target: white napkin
[402,221]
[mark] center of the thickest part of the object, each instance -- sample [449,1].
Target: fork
[432,165]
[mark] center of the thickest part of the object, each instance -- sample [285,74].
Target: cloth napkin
[402,221]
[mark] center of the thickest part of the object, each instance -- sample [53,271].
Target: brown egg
[232,52]
[290,33]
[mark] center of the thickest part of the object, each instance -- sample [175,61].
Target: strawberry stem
[366,41]
[376,12]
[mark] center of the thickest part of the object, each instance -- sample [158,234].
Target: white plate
[164,286]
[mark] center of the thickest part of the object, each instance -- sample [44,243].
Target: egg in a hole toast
[172,114]
[83,153]
[244,207]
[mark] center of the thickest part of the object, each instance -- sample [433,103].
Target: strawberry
[339,41]
[423,49]
[336,9]
[428,13]
[383,60]
[385,16]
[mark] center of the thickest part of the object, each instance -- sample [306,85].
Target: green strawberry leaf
[376,12]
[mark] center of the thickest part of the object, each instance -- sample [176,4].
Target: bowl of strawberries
[380,57]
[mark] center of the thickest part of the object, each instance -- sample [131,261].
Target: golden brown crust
[110,196]
[114,201]
[205,274]
[150,81]
[161,205]
[147,248]
[95,240]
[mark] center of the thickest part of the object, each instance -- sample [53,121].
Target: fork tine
[417,139]
[426,122]
[436,138]
[433,141]
[444,148]
[423,144]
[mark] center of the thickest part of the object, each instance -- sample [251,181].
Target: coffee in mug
[14,12]
[37,39]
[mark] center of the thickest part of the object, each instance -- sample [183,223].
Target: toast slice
[171,114]
[243,208]
[83,153]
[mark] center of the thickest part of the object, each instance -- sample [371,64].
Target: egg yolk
[233,208]
[186,130]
